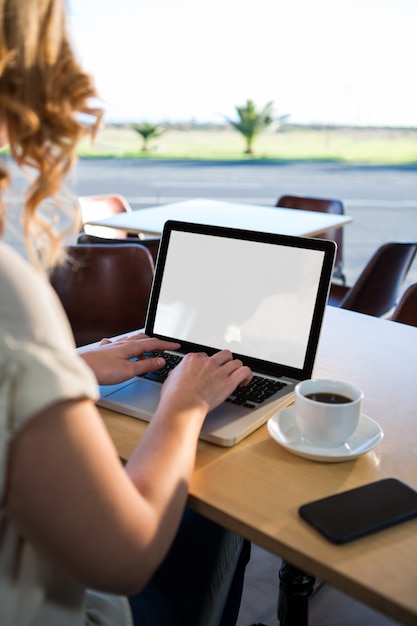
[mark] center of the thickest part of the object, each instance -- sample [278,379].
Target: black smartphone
[358,512]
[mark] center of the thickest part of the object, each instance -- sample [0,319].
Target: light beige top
[38,366]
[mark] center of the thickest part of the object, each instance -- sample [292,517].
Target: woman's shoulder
[37,352]
[13,267]
[29,307]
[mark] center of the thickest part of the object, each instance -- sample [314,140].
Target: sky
[319,61]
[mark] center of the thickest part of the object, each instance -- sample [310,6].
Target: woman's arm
[107,526]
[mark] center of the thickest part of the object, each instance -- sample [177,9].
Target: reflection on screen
[256,299]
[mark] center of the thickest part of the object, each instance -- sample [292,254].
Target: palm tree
[148,131]
[252,122]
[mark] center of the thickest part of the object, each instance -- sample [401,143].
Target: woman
[72,518]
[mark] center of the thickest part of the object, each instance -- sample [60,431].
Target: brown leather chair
[151,243]
[406,310]
[104,289]
[376,290]
[322,205]
[99,207]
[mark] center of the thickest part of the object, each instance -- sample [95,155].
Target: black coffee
[329,398]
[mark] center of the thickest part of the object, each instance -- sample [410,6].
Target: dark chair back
[322,205]
[104,289]
[406,310]
[376,290]
[151,243]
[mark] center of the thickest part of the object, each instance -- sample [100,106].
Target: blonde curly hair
[43,91]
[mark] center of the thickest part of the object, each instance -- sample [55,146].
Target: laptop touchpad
[139,394]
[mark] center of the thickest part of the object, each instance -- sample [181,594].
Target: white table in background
[246,216]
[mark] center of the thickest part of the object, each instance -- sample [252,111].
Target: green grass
[370,146]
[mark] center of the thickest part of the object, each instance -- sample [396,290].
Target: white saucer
[282,428]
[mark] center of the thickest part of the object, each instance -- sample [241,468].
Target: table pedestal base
[295,590]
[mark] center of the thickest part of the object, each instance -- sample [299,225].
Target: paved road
[381,200]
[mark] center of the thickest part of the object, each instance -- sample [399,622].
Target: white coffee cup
[327,412]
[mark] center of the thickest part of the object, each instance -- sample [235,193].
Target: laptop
[260,295]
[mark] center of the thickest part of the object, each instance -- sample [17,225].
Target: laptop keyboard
[171,361]
[251,395]
[257,391]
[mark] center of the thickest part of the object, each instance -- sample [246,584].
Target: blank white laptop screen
[254,298]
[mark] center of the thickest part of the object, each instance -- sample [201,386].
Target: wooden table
[256,487]
[247,216]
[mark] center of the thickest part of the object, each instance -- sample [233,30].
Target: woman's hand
[200,380]
[117,360]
